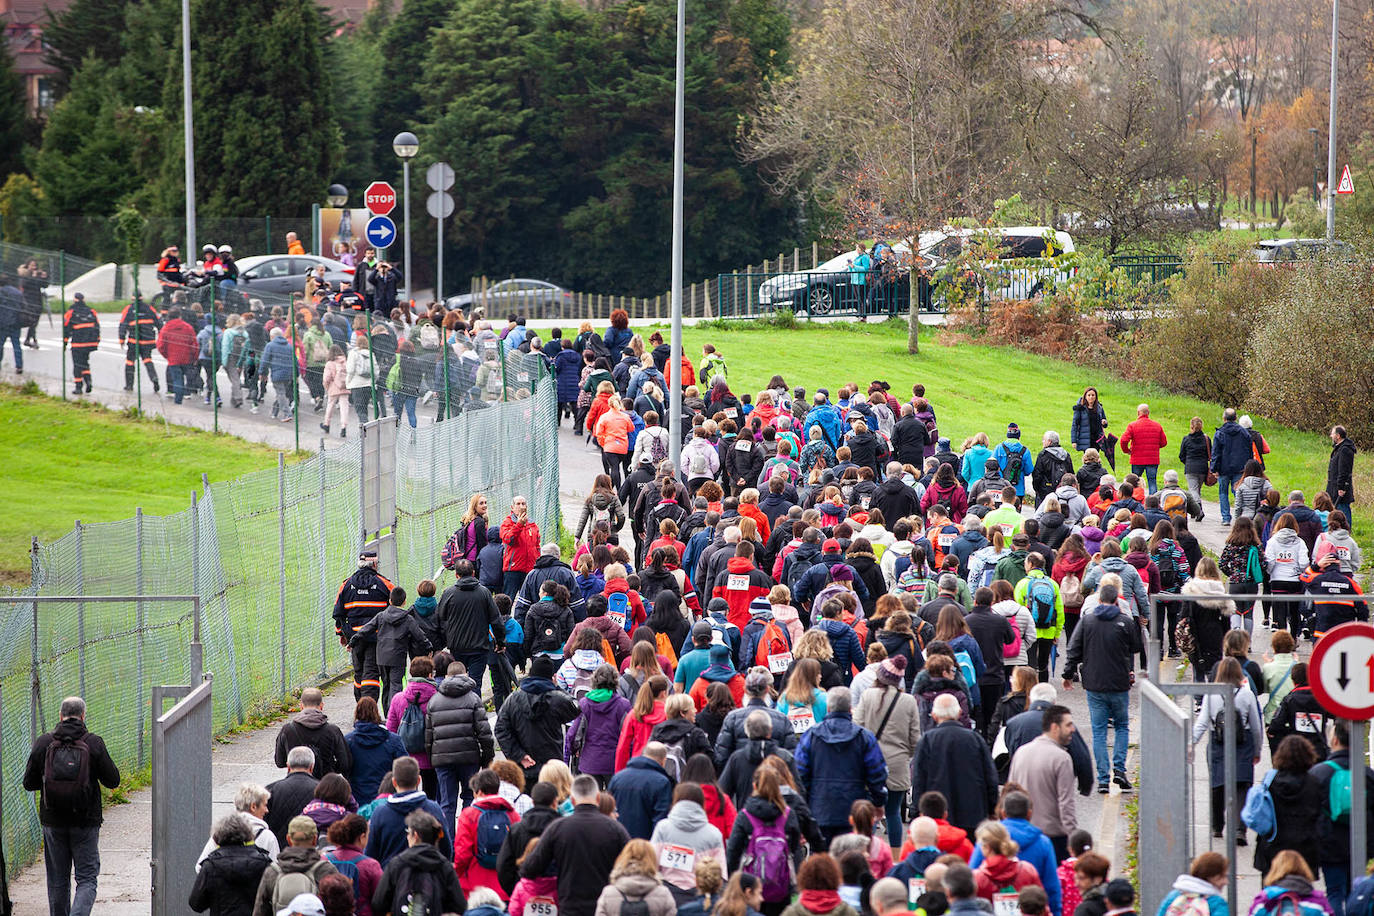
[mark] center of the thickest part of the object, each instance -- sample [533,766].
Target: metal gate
[182,739]
[377,492]
[1165,828]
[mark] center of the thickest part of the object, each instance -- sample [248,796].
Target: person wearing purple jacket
[590,744]
[421,687]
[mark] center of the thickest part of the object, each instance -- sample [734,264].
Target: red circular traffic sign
[380,198]
[1341,672]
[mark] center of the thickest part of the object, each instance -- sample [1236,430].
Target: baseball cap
[830,546]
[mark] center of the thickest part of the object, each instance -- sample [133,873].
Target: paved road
[124,840]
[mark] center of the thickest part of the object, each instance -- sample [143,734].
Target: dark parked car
[282,274]
[529,298]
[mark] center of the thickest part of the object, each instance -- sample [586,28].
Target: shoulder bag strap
[897,695]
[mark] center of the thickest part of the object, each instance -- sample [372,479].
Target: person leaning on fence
[362,596]
[67,767]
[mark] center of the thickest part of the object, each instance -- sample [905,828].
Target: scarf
[820,901]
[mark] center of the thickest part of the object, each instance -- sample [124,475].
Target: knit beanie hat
[892,670]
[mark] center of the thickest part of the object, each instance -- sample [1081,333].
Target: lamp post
[337,195]
[1331,130]
[188,130]
[1316,164]
[405,146]
[675,353]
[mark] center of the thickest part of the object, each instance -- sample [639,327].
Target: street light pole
[188,129]
[675,357]
[405,146]
[1331,131]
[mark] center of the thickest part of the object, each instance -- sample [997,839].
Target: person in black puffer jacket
[530,723]
[865,565]
[1195,452]
[458,738]
[227,883]
[657,577]
[865,449]
[1053,528]
[680,730]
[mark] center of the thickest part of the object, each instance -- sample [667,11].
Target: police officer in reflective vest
[364,595]
[138,328]
[81,332]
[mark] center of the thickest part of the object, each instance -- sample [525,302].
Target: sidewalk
[125,849]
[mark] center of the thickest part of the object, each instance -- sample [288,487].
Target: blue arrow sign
[381,232]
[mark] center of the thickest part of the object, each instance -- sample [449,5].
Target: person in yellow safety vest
[81,332]
[363,595]
[138,327]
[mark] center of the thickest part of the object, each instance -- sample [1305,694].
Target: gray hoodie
[1132,588]
[1072,503]
[1285,555]
[1249,494]
[1351,556]
[686,826]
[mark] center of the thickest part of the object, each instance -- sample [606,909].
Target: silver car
[284,274]
[528,298]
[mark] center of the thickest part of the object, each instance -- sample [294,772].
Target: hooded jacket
[472,874]
[1346,548]
[764,810]
[373,749]
[688,827]
[399,636]
[1036,851]
[739,584]
[737,775]
[1051,465]
[643,795]
[468,616]
[311,728]
[457,732]
[1103,645]
[386,834]
[531,721]
[952,495]
[839,763]
[597,729]
[293,860]
[1285,555]
[228,880]
[1231,448]
[1132,588]
[1250,494]
[998,872]
[552,569]
[609,630]
[1196,887]
[420,858]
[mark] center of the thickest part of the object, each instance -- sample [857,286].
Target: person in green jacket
[316,343]
[1012,567]
[1033,593]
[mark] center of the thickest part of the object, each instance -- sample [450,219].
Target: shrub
[1311,354]
[1197,342]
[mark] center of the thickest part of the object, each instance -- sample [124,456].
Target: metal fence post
[324,582]
[80,608]
[1358,749]
[195,572]
[138,564]
[281,560]
[62,285]
[33,653]
[1229,774]
[267,231]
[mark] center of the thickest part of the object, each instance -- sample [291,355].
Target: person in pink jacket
[475,849]
[335,381]
[419,690]
[542,892]
[1142,440]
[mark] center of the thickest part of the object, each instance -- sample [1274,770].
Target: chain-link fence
[266,553]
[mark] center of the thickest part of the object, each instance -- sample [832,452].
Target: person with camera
[385,284]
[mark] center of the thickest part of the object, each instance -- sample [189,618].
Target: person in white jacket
[652,433]
[1020,619]
[685,837]
[1210,718]
[1337,534]
[359,378]
[1285,558]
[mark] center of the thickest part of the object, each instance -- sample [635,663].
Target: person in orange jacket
[613,429]
[718,671]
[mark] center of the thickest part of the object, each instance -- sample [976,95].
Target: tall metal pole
[1331,131]
[675,359]
[1357,751]
[438,262]
[188,128]
[405,180]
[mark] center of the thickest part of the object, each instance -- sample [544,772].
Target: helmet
[225,249]
[208,247]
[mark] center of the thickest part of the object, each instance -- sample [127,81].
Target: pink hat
[892,670]
[1324,550]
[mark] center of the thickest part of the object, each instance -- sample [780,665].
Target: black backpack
[1219,727]
[547,635]
[417,893]
[1015,472]
[637,906]
[67,776]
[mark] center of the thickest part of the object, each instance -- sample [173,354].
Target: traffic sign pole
[1341,675]
[1357,801]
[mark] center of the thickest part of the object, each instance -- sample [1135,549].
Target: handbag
[1211,479]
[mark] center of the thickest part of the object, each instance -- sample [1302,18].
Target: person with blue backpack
[1039,594]
[482,829]
[1015,461]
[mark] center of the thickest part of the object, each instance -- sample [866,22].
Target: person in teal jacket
[860,265]
[974,465]
[1205,881]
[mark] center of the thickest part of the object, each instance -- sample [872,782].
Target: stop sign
[380,198]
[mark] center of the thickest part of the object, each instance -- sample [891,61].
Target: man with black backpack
[67,768]
[1015,461]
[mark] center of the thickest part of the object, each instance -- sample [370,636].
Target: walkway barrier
[267,553]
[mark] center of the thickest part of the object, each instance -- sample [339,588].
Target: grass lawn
[980,389]
[69,461]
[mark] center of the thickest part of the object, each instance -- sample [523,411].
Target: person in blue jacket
[839,763]
[1232,447]
[373,749]
[1036,848]
[643,791]
[1014,460]
[824,415]
[489,572]
[278,360]
[567,368]
[618,335]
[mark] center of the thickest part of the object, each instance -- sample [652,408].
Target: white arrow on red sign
[380,198]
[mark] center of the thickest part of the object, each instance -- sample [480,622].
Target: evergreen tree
[405,44]
[266,138]
[355,61]
[13,116]
[87,28]
[85,164]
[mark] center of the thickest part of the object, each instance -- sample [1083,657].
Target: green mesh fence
[266,553]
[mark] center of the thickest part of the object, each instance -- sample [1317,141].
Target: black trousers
[132,354]
[81,367]
[366,675]
[1038,657]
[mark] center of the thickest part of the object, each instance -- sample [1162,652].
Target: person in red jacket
[1000,871]
[1142,440]
[476,865]
[616,583]
[740,583]
[719,671]
[749,508]
[949,838]
[521,537]
[177,342]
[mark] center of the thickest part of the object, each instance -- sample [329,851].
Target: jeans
[399,401]
[511,582]
[1337,878]
[13,336]
[453,790]
[284,390]
[1195,482]
[893,810]
[1226,487]
[1110,709]
[1149,470]
[65,848]
[176,380]
[476,663]
[1346,508]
